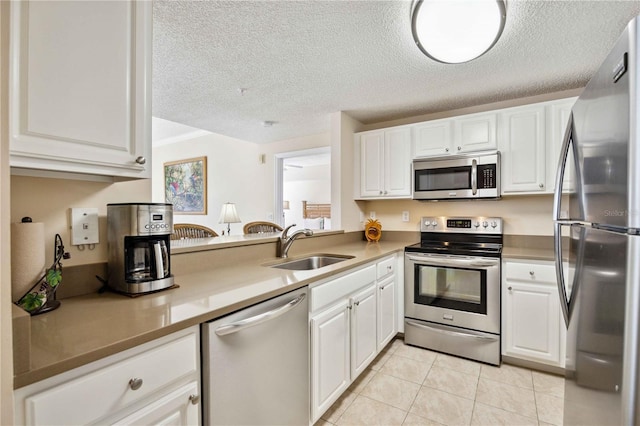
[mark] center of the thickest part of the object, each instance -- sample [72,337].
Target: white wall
[312,184]
[234,174]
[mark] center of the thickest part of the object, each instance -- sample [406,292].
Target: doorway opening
[303,189]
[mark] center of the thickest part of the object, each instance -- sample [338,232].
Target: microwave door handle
[474,177]
[562,164]
[157,250]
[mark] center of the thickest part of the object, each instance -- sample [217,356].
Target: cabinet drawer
[530,272]
[331,291]
[91,397]
[386,267]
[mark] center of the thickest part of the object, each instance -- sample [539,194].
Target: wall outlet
[405,216]
[84,226]
[361,216]
[270,216]
[372,214]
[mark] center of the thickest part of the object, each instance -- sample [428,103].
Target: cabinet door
[522,146]
[80,87]
[397,162]
[386,311]
[532,322]
[363,330]
[372,164]
[476,132]
[181,407]
[329,357]
[432,138]
[558,118]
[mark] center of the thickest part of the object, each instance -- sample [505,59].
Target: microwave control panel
[487,176]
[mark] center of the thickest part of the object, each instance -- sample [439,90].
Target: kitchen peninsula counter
[213,279]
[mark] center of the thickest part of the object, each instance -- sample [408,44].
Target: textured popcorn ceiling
[302,60]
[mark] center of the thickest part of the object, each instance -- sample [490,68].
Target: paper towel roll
[27,257]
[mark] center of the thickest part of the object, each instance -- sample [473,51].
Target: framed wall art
[185,185]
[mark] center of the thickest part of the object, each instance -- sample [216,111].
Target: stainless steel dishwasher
[256,364]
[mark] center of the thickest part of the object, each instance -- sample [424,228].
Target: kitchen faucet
[285,241]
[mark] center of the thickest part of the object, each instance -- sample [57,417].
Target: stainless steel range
[452,287]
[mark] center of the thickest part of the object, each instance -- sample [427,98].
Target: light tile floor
[406,385]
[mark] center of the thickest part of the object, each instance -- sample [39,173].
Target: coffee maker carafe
[139,247]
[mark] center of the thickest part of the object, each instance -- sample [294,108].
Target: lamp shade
[228,214]
[457,31]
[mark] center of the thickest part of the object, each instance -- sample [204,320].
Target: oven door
[461,291]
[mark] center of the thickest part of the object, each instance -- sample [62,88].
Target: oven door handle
[452,333]
[433,260]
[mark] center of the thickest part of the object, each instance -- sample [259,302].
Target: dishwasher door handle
[234,327]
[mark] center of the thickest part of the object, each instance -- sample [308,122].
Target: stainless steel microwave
[458,177]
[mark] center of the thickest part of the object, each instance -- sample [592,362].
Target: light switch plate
[372,214]
[405,216]
[84,226]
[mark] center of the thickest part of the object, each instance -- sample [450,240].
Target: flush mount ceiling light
[456,31]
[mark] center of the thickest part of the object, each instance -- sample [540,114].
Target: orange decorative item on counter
[372,230]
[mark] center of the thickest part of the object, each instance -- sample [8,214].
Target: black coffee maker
[139,247]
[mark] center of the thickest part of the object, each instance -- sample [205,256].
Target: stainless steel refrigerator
[597,242]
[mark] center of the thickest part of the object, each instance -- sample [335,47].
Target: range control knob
[485,224]
[494,224]
[434,223]
[477,225]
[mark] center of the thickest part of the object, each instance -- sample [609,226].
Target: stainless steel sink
[312,262]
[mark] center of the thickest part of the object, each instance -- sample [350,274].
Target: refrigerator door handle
[562,289]
[562,164]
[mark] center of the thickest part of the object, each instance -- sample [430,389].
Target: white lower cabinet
[154,383]
[180,407]
[386,311]
[364,345]
[330,357]
[352,318]
[532,324]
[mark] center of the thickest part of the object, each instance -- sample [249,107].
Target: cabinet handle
[541,185]
[385,192]
[509,288]
[531,273]
[194,399]
[141,160]
[135,383]
[357,303]
[459,148]
[349,306]
[389,268]
[380,192]
[446,150]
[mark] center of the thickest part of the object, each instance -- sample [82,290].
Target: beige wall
[342,173]
[6,344]
[522,215]
[48,200]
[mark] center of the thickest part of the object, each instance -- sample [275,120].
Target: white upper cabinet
[80,87]
[433,138]
[458,135]
[522,145]
[475,132]
[383,163]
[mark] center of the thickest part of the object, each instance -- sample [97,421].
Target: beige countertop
[90,327]
[528,247]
